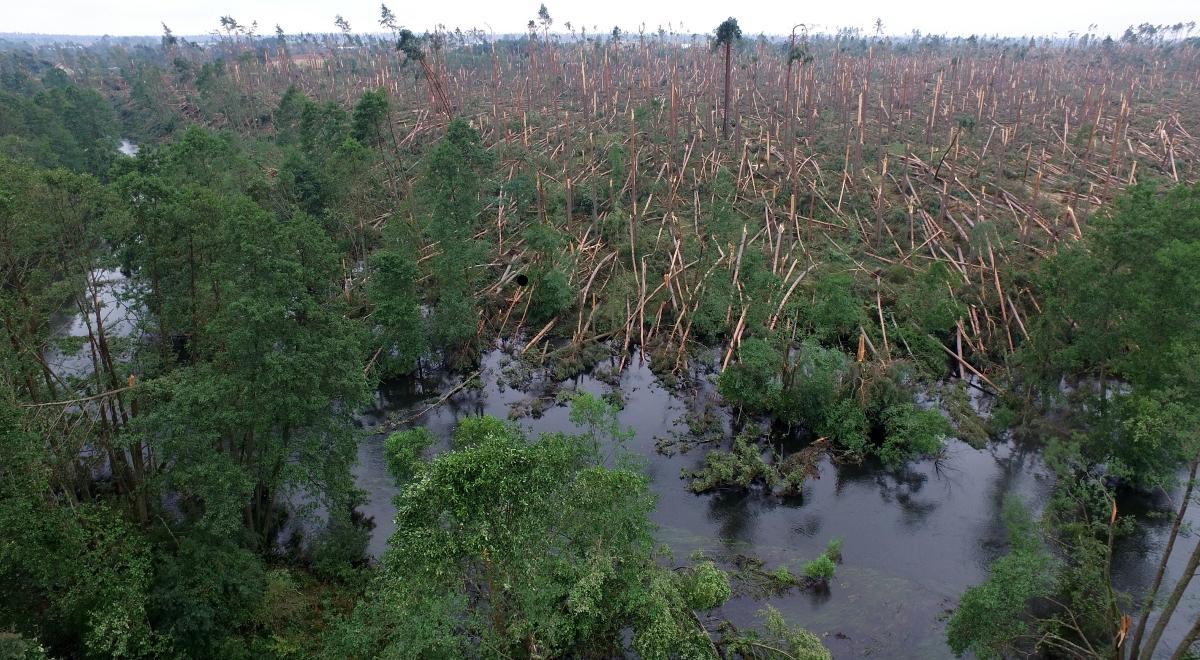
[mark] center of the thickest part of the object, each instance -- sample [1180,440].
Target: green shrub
[912,432]
[738,468]
[403,450]
[552,296]
[991,618]
[706,586]
[822,568]
[834,549]
[783,576]
[752,382]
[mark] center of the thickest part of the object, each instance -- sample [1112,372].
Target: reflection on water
[915,538]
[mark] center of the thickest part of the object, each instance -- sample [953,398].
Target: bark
[725,121]
[1187,642]
[1162,563]
[1160,626]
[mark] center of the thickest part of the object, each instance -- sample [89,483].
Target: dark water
[914,539]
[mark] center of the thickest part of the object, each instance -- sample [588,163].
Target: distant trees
[724,36]
[413,48]
[57,124]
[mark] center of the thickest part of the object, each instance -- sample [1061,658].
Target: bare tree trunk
[1181,586]
[1187,642]
[725,122]
[1162,563]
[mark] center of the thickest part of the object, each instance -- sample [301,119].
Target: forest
[592,343]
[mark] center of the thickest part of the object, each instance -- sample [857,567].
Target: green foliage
[815,380]
[1119,313]
[404,450]
[708,320]
[599,418]
[449,196]
[912,432]
[202,608]
[832,313]
[450,186]
[706,586]
[518,544]
[822,568]
[476,429]
[16,647]
[338,553]
[925,306]
[846,422]
[397,311]
[752,383]
[453,324]
[991,619]
[727,32]
[783,576]
[269,351]
[833,549]
[665,627]
[778,641]
[370,117]
[75,574]
[55,123]
[816,388]
[738,468]
[552,295]
[744,466]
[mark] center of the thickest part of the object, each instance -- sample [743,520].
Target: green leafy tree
[397,311]
[73,572]
[752,383]
[526,548]
[370,118]
[992,619]
[449,194]
[1120,309]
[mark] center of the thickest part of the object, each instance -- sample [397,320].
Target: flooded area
[914,538]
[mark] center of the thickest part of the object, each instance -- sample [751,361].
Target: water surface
[914,538]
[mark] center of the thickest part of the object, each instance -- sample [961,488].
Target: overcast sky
[952,17]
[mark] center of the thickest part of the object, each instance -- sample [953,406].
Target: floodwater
[70,356]
[914,538]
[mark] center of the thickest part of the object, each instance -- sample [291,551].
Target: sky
[950,17]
